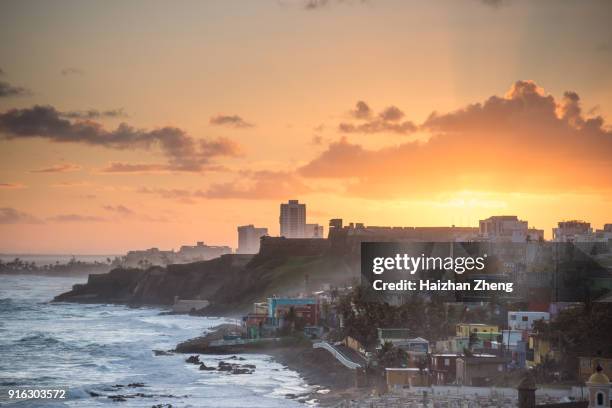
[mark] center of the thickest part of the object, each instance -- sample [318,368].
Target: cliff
[231,282]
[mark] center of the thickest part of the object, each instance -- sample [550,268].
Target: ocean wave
[39,339]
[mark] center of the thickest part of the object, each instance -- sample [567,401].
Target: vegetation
[579,331]
[72,267]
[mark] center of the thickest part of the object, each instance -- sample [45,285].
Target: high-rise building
[249,238]
[292,219]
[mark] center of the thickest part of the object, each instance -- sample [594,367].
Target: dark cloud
[12,216]
[362,110]
[387,121]
[230,120]
[524,141]
[182,152]
[72,71]
[95,114]
[8,90]
[58,168]
[69,218]
[391,114]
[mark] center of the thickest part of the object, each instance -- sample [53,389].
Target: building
[599,389]
[587,366]
[249,238]
[186,254]
[444,367]
[465,329]
[507,228]
[539,350]
[304,308]
[479,370]
[313,231]
[200,252]
[571,231]
[523,320]
[293,219]
[406,377]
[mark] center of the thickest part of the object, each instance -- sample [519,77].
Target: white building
[313,231]
[292,219]
[249,238]
[508,228]
[572,231]
[523,320]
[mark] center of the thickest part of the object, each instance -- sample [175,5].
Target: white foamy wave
[103,354]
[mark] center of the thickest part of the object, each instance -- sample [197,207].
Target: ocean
[96,351]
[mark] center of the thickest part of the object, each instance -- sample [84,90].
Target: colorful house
[465,329]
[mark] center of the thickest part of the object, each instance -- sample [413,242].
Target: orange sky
[135,124]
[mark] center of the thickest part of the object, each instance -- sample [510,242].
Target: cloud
[317,4]
[58,168]
[70,184]
[183,152]
[125,212]
[524,141]
[379,126]
[387,121]
[362,111]
[181,195]
[8,90]
[70,218]
[250,185]
[230,120]
[117,167]
[494,3]
[72,71]
[118,209]
[391,114]
[95,114]
[259,185]
[12,216]
[11,186]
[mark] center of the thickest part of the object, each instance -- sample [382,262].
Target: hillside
[231,282]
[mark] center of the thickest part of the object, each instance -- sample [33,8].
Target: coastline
[330,381]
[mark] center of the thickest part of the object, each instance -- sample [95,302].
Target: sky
[136,124]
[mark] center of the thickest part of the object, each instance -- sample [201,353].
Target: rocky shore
[331,382]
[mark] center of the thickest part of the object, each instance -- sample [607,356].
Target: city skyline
[208,115]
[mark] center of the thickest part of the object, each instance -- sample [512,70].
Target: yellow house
[464,329]
[541,349]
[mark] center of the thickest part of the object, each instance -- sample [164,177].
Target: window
[525,318]
[512,317]
[447,362]
[600,399]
